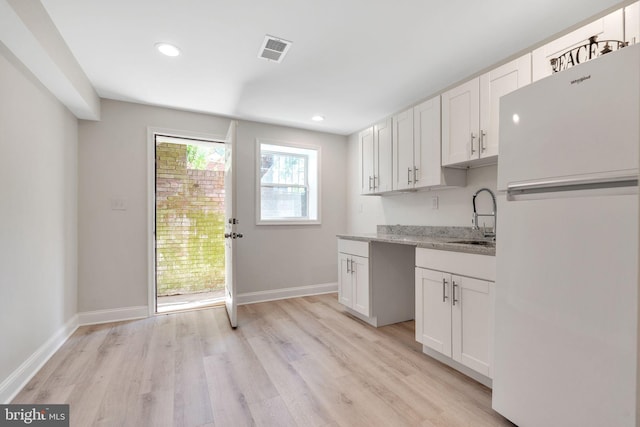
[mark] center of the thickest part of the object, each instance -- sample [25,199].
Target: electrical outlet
[434,203]
[118,204]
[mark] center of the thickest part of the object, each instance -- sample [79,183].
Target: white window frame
[313,184]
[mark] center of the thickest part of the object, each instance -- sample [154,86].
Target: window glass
[288,183]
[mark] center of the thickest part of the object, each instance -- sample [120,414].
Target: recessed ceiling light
[167,49]
[317,118]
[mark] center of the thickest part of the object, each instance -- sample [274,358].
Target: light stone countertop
[440,238]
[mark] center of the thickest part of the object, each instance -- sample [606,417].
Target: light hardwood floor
[296,362]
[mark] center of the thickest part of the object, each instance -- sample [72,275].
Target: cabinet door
[460,123]
[383,152]
[493,85]
[632,23]
[609,27]
[361,288]
[426,142]
[433,310]
[345,285]
[366,160]
[472,308]
[403,150]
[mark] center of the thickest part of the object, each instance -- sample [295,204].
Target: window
[288,183]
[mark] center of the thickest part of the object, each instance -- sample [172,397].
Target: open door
[230,223]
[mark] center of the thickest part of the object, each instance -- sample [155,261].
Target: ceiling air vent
[274,48]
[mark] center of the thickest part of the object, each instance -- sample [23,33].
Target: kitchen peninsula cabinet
[454,308]
[375,281]
[471,110]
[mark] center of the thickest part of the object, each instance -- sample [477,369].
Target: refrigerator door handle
[571,184]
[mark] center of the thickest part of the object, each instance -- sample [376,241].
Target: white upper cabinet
[375,157]
[382,138]
[427,141]
[608,28]
[460,123]
[368,159]
[405,168]
[416,150]
[632,23]
[470,113]
[493,85]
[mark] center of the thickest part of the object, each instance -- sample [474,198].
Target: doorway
[189,223]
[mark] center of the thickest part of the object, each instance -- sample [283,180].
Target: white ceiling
[353,61]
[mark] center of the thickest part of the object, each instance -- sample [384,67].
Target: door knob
[227,235]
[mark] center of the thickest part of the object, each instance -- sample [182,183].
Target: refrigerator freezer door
[565,318]
[582,122]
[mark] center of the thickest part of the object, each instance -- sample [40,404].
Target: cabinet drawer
[471,265]
[353,247]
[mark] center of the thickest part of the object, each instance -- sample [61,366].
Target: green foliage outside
[196,157]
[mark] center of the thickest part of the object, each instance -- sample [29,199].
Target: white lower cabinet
[454,312]
[376,281]
[353,286]
[353,276]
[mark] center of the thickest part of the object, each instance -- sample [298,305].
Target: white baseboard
[276,294]
[15,382]
[112,315]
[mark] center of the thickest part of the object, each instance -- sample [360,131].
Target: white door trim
[151,199]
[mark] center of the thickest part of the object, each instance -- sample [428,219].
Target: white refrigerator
[567,247]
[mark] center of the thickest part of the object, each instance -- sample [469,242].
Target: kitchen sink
[474,242]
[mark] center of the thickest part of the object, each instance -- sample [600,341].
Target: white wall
[38,201]
[275,257]
[112,156]
[113,268]
[455,206]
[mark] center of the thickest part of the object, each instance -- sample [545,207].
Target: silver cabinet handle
[483,148]
[351,261]
[374,182]
[444,290]
[472,138]
[348,269]
[415,172]
[408,175]
[370,187]
[454,301]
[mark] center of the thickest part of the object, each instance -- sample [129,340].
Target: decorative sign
[585,52]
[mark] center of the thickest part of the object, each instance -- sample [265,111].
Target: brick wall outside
[189,224]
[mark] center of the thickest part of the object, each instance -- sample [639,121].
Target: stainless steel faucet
[494,214]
